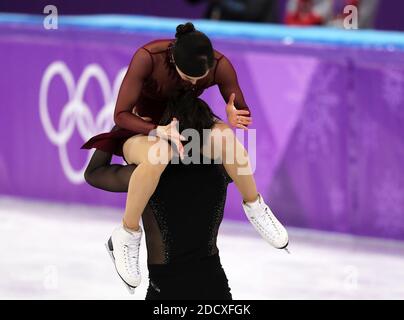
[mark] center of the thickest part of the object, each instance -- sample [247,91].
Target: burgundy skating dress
[149,83]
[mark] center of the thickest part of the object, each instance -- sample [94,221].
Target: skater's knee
[222,135]
[160,153]
[143,149]
[222,140]
[92,176]
[89,177]
[152,170]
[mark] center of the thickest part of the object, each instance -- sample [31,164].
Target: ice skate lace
[266,219]
[131,252]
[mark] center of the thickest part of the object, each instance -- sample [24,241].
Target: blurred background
[325,82]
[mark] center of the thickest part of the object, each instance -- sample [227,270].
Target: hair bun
[184,29]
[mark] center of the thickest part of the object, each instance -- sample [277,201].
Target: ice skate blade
[130,289]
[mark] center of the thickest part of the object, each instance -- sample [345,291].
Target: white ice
[56,251]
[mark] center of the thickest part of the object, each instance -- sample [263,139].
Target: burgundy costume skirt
[111,142]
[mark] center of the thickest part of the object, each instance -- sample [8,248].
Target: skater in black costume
[182,218]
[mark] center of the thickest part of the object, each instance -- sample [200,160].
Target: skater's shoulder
[218,55]
[158,46]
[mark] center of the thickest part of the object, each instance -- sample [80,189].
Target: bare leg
[145,177]
[235,160]
[224,144]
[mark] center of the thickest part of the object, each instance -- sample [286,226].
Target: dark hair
[190,111]
[193,51]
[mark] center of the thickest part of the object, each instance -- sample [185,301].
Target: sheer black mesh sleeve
[227,81]
[101,174]
[140,67]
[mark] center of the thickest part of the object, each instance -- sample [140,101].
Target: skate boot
[265,222]
[123,247]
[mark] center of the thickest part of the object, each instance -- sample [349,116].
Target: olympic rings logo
[76,112]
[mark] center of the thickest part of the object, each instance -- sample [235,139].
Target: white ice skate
[123,247]
[265,222]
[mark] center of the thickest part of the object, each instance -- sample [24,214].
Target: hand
[237,118]
[170,132]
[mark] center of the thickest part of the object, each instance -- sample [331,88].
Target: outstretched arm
[237,110]
[139,69]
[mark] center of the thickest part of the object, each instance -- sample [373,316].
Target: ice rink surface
[56,251]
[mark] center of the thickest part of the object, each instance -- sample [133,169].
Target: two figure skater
[159,92]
